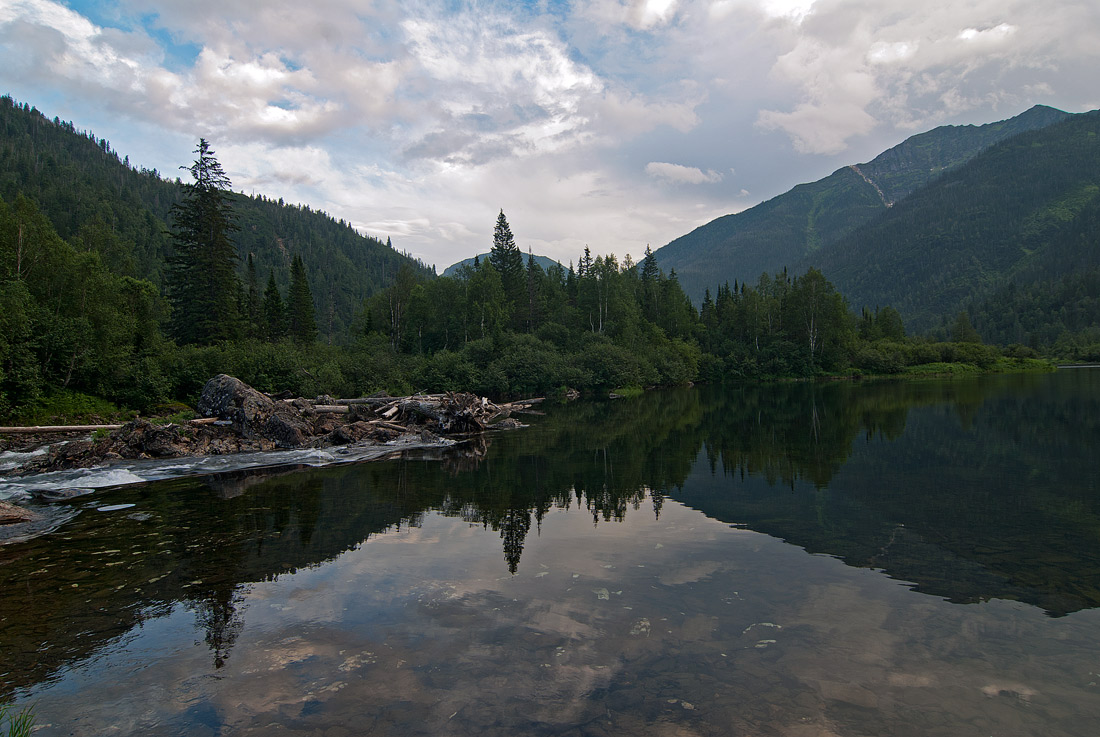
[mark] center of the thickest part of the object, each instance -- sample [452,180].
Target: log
[388,425]
[203,421]
[332,408]
[56,428]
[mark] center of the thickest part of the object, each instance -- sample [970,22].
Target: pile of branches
[237,418]
[449,414]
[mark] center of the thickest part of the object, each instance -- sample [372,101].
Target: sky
[614,124]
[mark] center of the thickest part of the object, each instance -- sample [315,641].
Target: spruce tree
[202,279]
[253,304]
[506,258]
[303,322]
[274,314]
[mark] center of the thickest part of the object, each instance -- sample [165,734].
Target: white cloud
[419,119]
[856,66]
[680,173]
[794,10]
[636,14]
[998,34]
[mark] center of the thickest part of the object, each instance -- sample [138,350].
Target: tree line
[71,325]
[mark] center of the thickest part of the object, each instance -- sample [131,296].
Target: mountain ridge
[782,231]
[544,262]
[1023,211]
[96,199]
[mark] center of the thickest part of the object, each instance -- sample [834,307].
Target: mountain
[545,262]
[98,201]
[786,229]
[1021,217]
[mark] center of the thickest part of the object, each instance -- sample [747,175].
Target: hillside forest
[119,285]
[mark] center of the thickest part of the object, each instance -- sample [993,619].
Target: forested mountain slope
[99,202]
[544,262]
[787,228]
[1024,212]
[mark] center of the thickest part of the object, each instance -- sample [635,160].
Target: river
[901,558]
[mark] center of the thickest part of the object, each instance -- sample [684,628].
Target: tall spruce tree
[299,303]
[202,278]
[506,258]
[252,301]
[274,313]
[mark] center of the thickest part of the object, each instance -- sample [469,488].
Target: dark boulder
[254,415]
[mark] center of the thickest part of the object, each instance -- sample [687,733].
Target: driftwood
[57,428]
[30,430]
[451,413]
[237,418]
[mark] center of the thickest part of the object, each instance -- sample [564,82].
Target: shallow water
[903,559]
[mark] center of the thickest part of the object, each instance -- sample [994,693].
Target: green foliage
[300,312]
[67,321]
[508,262]
[1063,311]
[75,323]
[1015,226]
[97,201]
[942,369]
[65,406]
[962,331]
[788,229]
[16,723]
[273,311]
[202,280]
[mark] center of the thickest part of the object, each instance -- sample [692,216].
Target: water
[903,559]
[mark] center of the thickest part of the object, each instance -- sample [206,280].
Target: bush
[876,361]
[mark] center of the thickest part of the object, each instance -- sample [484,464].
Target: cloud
[856,66]
[420,119]
[635,14]
[683,174]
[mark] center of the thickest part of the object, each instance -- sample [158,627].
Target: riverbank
[237,420]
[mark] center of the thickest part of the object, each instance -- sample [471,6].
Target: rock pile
[237,418]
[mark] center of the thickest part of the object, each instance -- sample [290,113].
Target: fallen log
[365,400]
[56,428]
[331,408]
[388,425]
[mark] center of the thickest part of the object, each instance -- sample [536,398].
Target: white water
[121,473]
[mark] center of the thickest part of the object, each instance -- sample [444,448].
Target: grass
[942,369]
[178,418]
[66,407]
[1014,365]
[16,723]
[629,392]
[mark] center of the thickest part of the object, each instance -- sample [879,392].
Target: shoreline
[253,429]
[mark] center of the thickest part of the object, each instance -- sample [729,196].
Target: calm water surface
[885,559]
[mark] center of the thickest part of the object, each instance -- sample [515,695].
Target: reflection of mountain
[992,496]
[66,595]
[971,490]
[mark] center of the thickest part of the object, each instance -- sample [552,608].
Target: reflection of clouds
[718,631]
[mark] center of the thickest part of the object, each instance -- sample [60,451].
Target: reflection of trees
[513,530]
[222,619]
[988,493]
[825,447]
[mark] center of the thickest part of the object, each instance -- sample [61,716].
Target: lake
[911,558]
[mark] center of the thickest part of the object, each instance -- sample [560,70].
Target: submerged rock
[11,514]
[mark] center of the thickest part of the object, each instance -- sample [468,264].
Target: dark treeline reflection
[969,489]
